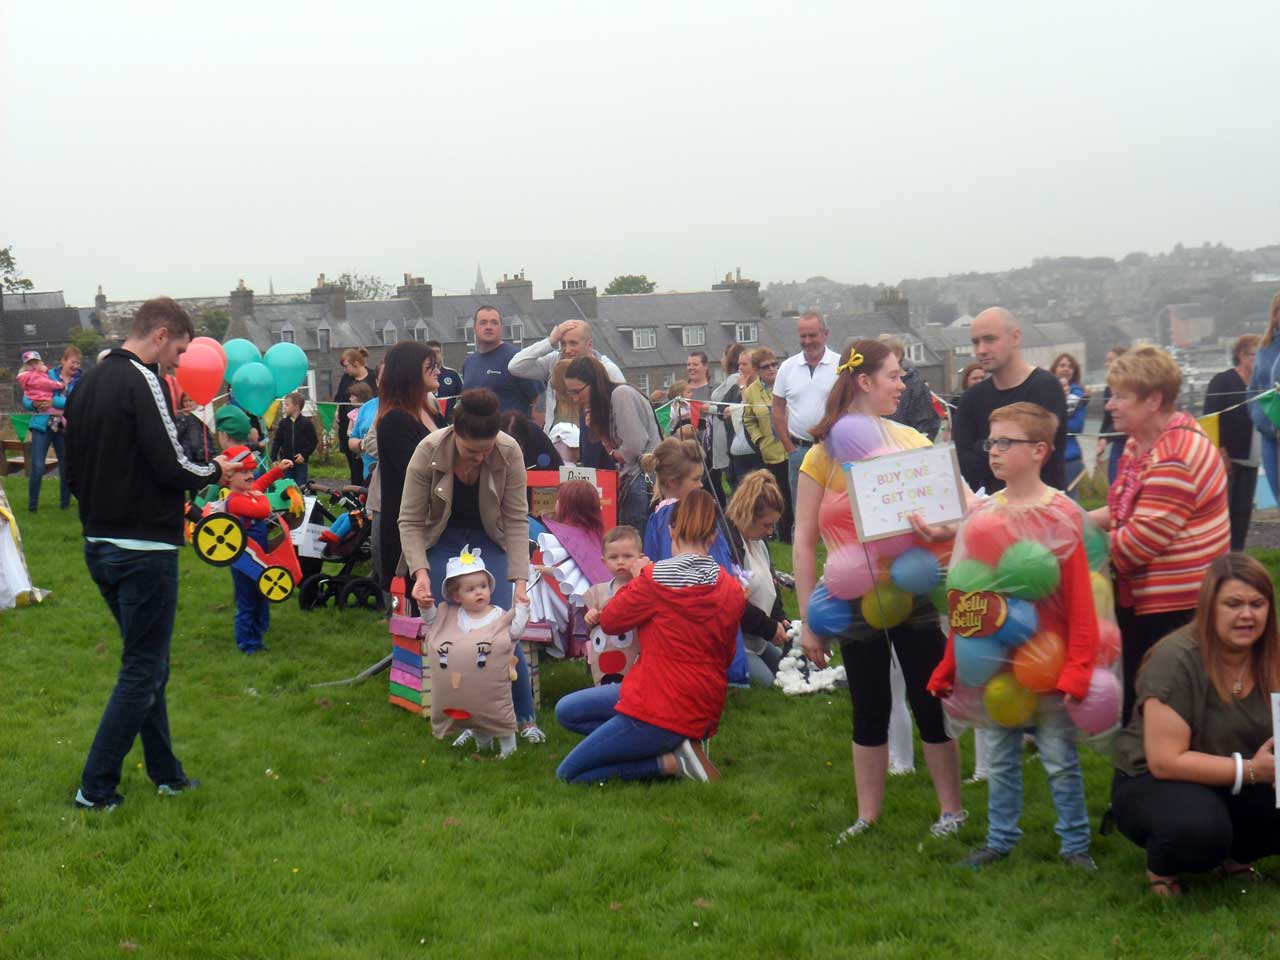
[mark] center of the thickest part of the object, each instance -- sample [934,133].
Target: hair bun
[479,402]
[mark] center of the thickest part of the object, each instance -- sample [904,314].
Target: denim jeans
[450,544]
[299,473]
[141,590]
[1075,467]
[253,612]
[633,501]
[794,459]
[1270,467]
[41,441]
[617,746]
[1055,739]
[762,667]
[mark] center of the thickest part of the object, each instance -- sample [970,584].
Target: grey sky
[153,148]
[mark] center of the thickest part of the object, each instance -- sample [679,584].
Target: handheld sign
[885,491]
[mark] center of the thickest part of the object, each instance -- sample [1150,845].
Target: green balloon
[254,388]
[938,597]
[239,352]
[971,576]
[288,365]
[1028,571]
[1096,545]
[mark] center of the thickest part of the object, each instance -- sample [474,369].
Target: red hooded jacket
[687,639]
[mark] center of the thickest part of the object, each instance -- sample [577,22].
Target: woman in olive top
[1195,768]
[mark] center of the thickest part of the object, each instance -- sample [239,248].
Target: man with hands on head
[567,341]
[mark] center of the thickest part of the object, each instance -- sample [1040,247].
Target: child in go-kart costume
[248,501]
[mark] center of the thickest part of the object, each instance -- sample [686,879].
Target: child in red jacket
[248,502]
[1020,440]
[686,612]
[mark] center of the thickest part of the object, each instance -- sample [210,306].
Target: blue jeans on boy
[41,441]
[299,473]
[617,746]
[450,544]
[141,590]
[253,610]
[1055,740]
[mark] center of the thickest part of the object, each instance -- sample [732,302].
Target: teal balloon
[254,388]
[978,659]
[288,365]
[239,352]
[1096,545]
[971,576]
[1028,571]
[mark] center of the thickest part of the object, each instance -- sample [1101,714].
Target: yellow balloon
[1104,601]
[1008,703]
[885,605]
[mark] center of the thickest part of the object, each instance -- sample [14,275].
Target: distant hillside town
[1193,299]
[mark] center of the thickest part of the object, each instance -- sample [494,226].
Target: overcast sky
[153,148]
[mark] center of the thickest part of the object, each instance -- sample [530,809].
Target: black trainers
[983,857]
[181,786]
[1081,861]
[84,803]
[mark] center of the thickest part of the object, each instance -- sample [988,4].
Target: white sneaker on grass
[948,824]
[692,763]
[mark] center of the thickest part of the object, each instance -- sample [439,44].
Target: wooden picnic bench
[16,455]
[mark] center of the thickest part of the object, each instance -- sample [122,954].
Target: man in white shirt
[538,361]
[800,392]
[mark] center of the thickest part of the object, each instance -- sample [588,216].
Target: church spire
[479,290]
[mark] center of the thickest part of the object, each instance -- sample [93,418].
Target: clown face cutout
[610,656]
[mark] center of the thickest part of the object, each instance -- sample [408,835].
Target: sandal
[1164,886]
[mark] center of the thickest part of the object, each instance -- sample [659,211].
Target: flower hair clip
[854,361]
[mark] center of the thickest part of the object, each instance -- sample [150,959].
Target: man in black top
[128,470]
[450,381]
[1236,436]
[997,346]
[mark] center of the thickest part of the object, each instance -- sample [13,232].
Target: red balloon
[200,371]
[210,342]
[987,536]
[835,520]
[1108,642]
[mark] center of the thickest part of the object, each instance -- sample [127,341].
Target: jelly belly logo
[976,614]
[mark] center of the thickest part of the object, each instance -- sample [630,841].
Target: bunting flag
[21,425]
[663,413]
[1210,425]
[695,412]
[328,413]
[1270,403]
[273,411]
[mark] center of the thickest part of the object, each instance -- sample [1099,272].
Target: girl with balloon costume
[1025,638]
[860,603]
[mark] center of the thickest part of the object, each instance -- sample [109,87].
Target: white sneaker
[898,770]
[858,828]
[465,737]
[533,734]
[692,763]
[949,823]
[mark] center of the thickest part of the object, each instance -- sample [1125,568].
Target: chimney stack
[579,293]
[241,302]
[419,292]
[518,289]
[332,296]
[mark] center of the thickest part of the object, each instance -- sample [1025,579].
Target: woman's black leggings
[1190,828]
[1138,634]
[866,664]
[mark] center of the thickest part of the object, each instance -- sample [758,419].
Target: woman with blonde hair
[753,513]
[1167,510]
[1263,378]
[1195,768]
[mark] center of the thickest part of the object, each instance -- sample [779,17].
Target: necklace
[1238,686]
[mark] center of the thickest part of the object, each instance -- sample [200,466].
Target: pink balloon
[891,548]
[1108,642]
[964,706]
[848,574]
[210,342]
[1099,711]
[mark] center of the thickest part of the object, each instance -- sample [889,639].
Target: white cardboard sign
[885,491]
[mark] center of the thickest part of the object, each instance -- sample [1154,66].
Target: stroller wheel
[362,593]
[316,591]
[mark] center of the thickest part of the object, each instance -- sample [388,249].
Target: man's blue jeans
[617,746]
[794,459]
[41,441]
[141,590]
[1055,739]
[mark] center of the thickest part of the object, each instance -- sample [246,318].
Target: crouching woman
[685,611]
[1195,768]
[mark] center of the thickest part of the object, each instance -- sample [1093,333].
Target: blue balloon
[916,571]
[288,365]
[828,616]
[978,659]
[254,388]
[1019,626]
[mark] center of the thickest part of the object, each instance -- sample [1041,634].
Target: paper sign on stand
[885,491]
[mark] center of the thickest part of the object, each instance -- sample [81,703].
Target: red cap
[241,457]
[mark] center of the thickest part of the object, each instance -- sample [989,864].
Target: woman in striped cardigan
[1167,510]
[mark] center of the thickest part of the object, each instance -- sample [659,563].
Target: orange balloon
[1038,663]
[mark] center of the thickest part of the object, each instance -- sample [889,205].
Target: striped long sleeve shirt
[1169,516]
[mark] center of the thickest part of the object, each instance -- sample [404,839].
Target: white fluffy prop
[797,675]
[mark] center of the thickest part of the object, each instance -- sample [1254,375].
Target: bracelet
[1235,787]
[1252,782]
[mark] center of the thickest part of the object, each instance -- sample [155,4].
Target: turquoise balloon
[254,388]
[239,352]
[978,659]
[288,365]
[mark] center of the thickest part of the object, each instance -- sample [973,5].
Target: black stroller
[347,545]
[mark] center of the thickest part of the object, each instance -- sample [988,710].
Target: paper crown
[467,561]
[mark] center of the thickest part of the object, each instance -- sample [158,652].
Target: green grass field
[332,825]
